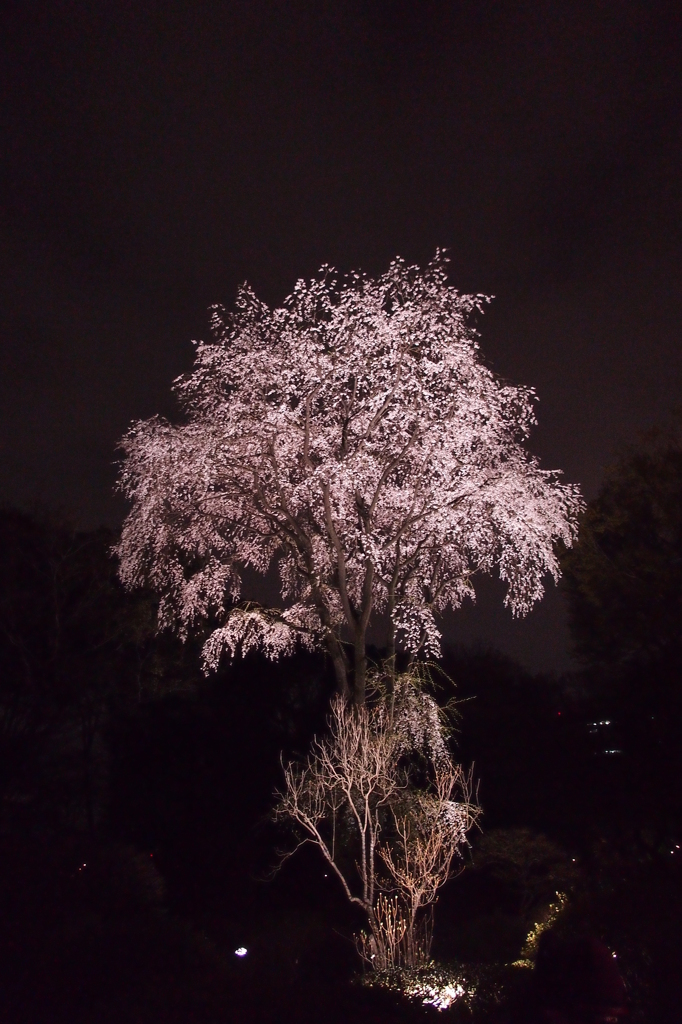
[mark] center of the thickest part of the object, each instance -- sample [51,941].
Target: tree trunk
[390,665]
[359,669]
[340,667]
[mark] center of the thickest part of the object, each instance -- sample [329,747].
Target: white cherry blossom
[355,437]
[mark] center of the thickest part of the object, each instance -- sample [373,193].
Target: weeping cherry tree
[354,437]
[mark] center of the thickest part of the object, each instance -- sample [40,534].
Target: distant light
[613,955]
[240,951]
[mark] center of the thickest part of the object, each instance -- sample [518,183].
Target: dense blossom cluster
[418,721]
[355,436]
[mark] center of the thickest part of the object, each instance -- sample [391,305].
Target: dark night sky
[154,155]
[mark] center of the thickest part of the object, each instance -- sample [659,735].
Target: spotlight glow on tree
[354,436]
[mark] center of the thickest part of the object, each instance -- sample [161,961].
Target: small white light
[613,955]
[241,951]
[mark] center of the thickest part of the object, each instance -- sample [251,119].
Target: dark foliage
[73,649]
[624,585]
[623,578]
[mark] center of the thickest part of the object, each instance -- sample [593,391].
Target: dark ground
[140,922]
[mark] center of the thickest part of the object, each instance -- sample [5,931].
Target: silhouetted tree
[624,576]
[624,585]
[73,645]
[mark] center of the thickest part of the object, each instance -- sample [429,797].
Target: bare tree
[381,789]
[429,831]
[355,437]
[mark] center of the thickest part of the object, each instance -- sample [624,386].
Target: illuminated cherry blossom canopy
[355,436]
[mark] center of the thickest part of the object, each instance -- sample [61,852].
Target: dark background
[155,155]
